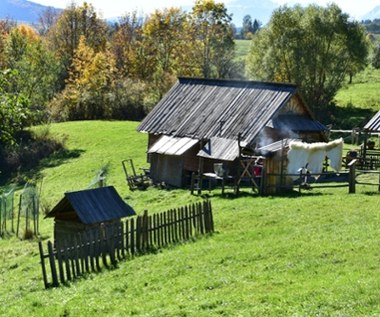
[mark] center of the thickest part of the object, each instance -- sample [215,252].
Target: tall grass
[316,254]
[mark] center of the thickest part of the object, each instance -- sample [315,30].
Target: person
[258,167]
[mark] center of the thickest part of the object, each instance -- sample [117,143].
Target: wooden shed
[203,122]
[369,152]
[87,211]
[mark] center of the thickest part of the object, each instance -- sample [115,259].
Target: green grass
[242,48]
[312,255]
[363,93]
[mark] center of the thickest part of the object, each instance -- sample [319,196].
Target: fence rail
[347,179]
[92,250]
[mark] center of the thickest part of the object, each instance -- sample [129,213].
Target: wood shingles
[205,108]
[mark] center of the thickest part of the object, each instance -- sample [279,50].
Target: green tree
[14,111]
[213,38]
[36,66]
[313,47]
[375,61]
[256,26]
[247,27]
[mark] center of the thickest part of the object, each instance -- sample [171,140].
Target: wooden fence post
[52,264]
[145,232]
[352,177]
[209,208]
[60,263]
[133,235]
[43,267]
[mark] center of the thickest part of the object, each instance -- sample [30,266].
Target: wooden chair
[134,180]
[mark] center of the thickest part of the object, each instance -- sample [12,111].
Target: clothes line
[312,155]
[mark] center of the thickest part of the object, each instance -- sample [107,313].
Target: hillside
[21,10]
[373,14]
[315,254]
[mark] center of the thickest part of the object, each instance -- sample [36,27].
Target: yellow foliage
[28,32]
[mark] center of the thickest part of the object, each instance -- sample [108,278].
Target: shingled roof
[206,108]
[93,205]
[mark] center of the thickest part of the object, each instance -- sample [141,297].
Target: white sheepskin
[313,155]
[335,154]
[297,158]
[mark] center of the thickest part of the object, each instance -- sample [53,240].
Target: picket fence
[105,246]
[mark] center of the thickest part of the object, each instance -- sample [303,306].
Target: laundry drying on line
[312,155]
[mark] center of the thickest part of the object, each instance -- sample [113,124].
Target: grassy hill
[363,93]
[315,254]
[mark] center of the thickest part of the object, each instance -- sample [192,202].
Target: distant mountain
[257,9]
[21,10]
[373,14]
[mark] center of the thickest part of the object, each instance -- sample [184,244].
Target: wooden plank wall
[104,247]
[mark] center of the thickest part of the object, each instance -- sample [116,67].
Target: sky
[116,8]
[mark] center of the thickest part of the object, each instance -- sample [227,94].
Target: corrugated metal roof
[221,149]
[374,123]
[204,108]
[296,123]
[94,205]
[274,147]
[172,146]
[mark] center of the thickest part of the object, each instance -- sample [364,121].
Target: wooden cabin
[202,123]
[87,211]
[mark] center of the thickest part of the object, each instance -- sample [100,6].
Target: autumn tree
[5,28]
[126,41]
[313,47]
[167,43]
[86,93]
[74,22]
[213,38]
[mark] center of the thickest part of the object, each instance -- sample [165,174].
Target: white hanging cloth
[312,155]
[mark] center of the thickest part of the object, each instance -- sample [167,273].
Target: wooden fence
[354,173]
[64,262]
[347,179]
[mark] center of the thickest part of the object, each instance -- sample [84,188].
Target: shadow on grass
[346,117]
[60,157]
[372,193]
[230,195]
[55,159]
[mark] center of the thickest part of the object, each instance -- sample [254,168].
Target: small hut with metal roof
[370,155]
[87,211]
[203,122]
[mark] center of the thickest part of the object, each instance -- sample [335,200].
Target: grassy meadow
[363,93]
[317,254]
